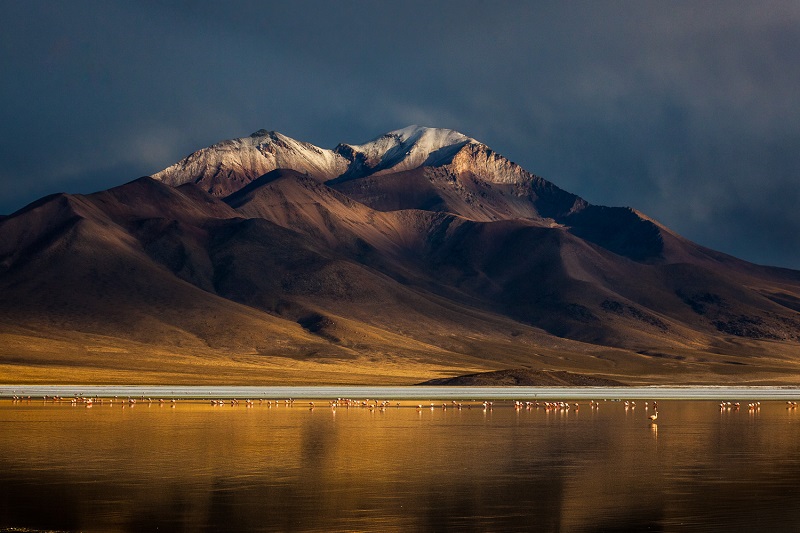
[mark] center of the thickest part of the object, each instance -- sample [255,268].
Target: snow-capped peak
[229,165]
[298,155]
[435,136]
[410,147]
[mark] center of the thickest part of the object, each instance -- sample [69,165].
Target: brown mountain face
[420,254]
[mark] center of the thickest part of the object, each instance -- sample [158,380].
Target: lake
[278,467]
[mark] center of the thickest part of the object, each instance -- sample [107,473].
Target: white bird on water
[654,417]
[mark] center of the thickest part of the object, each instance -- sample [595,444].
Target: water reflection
[198,467]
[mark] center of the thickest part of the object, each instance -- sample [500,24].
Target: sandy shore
[407,393]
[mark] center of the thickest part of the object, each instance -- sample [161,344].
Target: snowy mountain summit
[415,167]
[405,149]
[230,165]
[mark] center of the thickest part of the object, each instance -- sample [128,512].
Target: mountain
[420,254]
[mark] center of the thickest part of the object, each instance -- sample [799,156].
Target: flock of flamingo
[89,401]
[372,405]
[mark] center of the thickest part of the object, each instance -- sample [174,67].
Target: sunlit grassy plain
[86,359]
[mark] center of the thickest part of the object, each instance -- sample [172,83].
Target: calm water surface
[197,467]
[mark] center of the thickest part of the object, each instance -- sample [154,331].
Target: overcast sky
[687,111]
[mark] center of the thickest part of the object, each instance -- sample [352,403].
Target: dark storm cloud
[686,111]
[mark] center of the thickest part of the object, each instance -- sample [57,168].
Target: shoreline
[414,392]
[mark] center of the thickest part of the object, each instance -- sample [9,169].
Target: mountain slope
[109,276]
[581,291]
